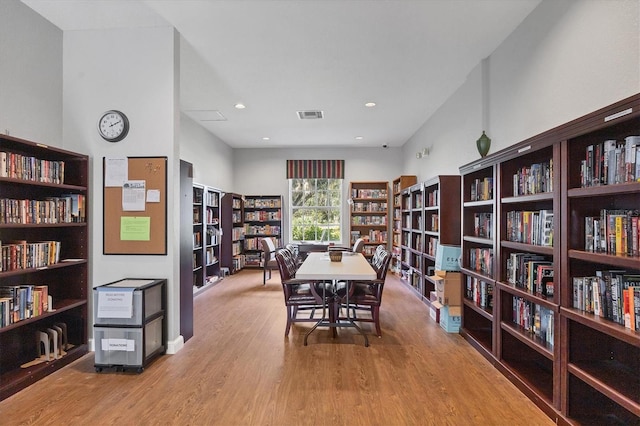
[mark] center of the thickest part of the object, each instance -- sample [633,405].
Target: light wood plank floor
[239,369]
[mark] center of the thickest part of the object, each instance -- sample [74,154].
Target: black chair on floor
[367,295]
[299,295]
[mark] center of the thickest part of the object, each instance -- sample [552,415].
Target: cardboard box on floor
[448,287]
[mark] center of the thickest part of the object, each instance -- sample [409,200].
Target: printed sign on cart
[126,345]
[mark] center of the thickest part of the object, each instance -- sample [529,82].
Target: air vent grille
[310,115]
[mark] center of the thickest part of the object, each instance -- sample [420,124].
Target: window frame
[338,210]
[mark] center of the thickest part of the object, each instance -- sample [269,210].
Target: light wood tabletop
[318,266]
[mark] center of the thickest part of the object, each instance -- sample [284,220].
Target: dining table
[352,267]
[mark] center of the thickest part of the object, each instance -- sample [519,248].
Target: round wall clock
[113,126]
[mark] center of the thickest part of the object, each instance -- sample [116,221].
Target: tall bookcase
[232,214]
[412,201]
[441,216]
[212,236]
[198,236]
[369,214]
[397,185]
[527,252]
[44,193]
[428,218]
[262,218]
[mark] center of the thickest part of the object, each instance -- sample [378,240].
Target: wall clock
[113,126]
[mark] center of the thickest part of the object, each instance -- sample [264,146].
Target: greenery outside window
[315,206]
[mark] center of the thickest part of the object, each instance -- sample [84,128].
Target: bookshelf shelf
[369,214]
[62,176]
[262,218]
[232,220]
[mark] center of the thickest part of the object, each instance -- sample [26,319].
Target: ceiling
[278,57]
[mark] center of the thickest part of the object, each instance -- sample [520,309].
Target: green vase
[483,143]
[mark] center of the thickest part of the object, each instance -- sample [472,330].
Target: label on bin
[115,303]
[126,345]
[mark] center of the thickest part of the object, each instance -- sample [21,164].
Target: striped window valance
[315,169]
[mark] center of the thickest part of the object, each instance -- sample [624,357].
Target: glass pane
[297,184]
[310,199]
[334,199]
[322,198]
[334,184]
[323,184]
[297,198]
[333,216]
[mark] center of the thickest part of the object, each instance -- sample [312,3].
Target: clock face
[113,126]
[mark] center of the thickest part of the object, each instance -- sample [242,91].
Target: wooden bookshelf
[232,217]
[43,175]
[369,214]
[428,219]
[198,236]
[397,186]
[262,219]
[578,367]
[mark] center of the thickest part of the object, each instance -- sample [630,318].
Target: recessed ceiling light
[359,138]
[266,138]
[240,106]
[370,104]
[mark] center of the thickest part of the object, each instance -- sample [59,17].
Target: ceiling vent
[310,115]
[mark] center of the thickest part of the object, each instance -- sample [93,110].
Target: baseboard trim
[175,345]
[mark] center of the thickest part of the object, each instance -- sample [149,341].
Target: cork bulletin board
[135,205]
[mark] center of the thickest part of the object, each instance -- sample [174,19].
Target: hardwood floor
[239,369]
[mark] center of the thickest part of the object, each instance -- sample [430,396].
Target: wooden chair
[367,295]
[358,246]
[299,295]
[268,258]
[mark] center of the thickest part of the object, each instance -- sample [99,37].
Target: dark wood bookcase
[369,214]
[198,236]
[576,366]
[232,216]
[206,236]
[397,186]
[33,171]
[262,219]
[430,214]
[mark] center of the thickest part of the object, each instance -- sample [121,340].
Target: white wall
[567,58]
[30,75]
[212,159]
[263,171]
[135,71]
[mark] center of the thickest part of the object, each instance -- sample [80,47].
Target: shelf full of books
[551,266]
[45,251]
[262,219]
[232,218]
[369,214]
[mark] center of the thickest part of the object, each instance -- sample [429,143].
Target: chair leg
[264,276]
[291,312]
[375,311]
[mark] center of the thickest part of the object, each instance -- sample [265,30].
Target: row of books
[18,166]
[254,243]
[611,162]
[24,255]
[262,216]
[435,223]
[271,203]
[369,220]
[237,233]
[432,244]
[480,292]
[408,222]
[610,294]
[535,179]
[370,207]
[533,318]
[416,201]
[64,209]
[482,189]
[236,248]
[483,225]
[376,236]
[432,198]
[481,260]
[261,230]
[531,272]
[236,203]
[614,232]
[210,256]
[212,199]
[530,227]
[238,261]
[236,217]
[22,302]
[212,217]
[197,218]
[368,193]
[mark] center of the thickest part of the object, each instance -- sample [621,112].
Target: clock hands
[113,124]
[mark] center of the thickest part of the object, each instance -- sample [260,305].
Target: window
[315,209]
